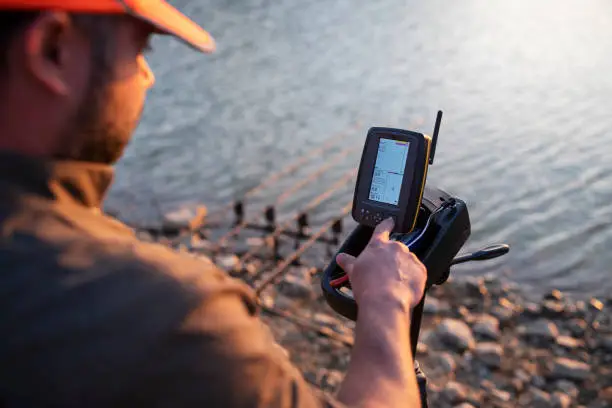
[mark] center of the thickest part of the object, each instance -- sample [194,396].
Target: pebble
[325,320]
[606,343]
[500,395]
[502,313]
[422,348]
[266,300]
[456,334]
[489,353]
[596,304]
[569,343]
[581,308]
[531,309]
[550,308]
[555,294]
[560,400]
[454,392]
[332,379]
[541,328]
[605,395]
[569,369]
[227,262]
[538,381]
[284,303]
[444,363]
[487,327]
[435,306]
[475,287]
[517,385]
[296,287]
[567,387]
[524,375]
[251,268]
[539,398]
[464,405]
[577,327]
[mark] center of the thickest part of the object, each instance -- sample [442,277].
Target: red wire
[339,281]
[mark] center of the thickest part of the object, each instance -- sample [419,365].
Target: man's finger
[345,261]
[383,230]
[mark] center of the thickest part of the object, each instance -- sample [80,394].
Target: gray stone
[284,303]
[464,405]
[531,309]
[456,334]
[555,294]
[581,308]
[332,379]
[606,395]
[541,328]
[228,262]
[560,400]
[266,300]
[569,343]
[444,363]
[251,268]
[606,343]
[523,375]
[435,306]
[567,387]
[550,308]
[296,287]
[596,304]
[539,398]
[489,353]
[500,395]
[538,381]
[564,368]
[577,327]
[517,385]
[422,348]
[325,320]
[487,326]
[454,392]
[503,314]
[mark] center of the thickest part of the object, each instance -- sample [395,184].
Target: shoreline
[482,344]
[484,341]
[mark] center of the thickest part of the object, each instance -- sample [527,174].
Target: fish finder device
[433,224]
[391,177]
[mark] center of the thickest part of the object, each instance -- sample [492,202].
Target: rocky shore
[484,342]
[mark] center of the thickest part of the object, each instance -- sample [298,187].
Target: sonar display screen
[389,171]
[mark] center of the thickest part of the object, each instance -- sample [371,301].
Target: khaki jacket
[92,317]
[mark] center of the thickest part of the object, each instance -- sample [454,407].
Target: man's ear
[51,44]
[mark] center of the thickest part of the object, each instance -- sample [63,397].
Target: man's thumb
[345,261]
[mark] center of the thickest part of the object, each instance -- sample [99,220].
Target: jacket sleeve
[221,355]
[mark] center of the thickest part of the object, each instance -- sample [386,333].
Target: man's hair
[11,22]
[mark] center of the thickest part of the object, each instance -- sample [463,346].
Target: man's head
[73,81]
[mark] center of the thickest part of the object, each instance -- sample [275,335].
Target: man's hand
[388,281]
[385,270]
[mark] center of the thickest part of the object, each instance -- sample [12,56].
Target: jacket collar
[81,183]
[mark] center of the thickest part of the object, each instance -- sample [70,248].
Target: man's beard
[97,133]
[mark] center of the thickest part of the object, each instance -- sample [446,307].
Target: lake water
[526,87]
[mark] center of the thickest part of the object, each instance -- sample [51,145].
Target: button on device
[378,218]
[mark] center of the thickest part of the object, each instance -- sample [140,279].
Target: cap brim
[169,20]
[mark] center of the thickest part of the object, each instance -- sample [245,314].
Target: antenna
[434,140]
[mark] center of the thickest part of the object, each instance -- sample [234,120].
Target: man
[91,317]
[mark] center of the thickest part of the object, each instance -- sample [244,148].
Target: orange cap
[159,13]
